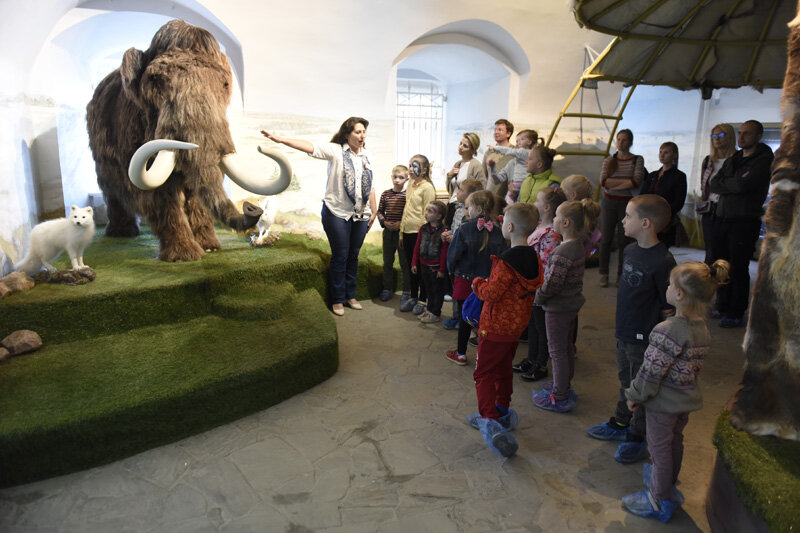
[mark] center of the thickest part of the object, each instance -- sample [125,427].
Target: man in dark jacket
[743,184]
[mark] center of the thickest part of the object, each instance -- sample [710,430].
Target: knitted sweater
[667,380]
[562,290]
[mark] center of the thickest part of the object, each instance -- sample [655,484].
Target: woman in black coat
[669,183]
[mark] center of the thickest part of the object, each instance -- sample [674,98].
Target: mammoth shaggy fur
[768,401]
[177,89]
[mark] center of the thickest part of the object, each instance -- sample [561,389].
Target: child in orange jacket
[507,301]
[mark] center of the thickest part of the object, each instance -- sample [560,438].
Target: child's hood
[524,262]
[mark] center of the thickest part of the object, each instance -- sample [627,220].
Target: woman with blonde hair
[723,146]
[468,167]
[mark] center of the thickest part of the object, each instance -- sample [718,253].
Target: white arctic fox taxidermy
[270,207]
[52,237]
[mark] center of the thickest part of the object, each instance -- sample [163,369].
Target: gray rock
[5,355]
[22,341]
[17,281]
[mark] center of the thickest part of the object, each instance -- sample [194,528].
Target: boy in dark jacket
[508,299]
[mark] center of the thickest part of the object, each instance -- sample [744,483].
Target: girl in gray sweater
[667,384]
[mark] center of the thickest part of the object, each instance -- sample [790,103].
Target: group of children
[535,286]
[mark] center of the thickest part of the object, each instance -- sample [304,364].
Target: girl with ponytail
[667,385]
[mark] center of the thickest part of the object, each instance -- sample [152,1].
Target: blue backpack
[471,310]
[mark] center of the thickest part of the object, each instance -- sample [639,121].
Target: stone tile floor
[383,446]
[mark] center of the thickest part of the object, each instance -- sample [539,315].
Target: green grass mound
[152,352]
[766,472]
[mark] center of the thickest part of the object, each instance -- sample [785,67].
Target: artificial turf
[152,352]
[765,471]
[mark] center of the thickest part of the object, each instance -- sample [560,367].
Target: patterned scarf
[350,179]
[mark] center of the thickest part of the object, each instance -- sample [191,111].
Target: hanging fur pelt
[769,401]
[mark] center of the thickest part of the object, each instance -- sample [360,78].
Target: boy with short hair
[641,304]
[507,301]
[390,213]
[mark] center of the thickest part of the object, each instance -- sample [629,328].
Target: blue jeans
[345,238]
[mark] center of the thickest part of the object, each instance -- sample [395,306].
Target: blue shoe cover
[450,323]
[631,452]
[548,386]
[545,400]
[509,421]
[640,504]
[605,431]
[676,495]
[497,438]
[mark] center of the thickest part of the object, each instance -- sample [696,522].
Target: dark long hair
[347,128]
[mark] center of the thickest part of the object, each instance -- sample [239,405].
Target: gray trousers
[629,359]
[665,443]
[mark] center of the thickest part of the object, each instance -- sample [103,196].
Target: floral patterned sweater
[667,380]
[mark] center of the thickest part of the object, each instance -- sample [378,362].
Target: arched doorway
[459,77]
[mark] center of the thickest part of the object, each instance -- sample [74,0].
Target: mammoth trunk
[212,198]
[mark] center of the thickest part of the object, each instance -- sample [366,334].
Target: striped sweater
[632,169]
[391,206]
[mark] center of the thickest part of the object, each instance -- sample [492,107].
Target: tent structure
[685,44]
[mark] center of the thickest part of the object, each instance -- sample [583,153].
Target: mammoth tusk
[262,186]
[162,166]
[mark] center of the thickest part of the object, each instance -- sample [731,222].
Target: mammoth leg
[121,214]
[121,221]
[201,223]
[169,223]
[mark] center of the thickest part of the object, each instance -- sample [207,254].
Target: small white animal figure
[52,237]
[270,207]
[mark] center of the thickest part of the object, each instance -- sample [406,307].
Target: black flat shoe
[534,375]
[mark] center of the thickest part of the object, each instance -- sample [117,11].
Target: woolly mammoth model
[170,101]
[768,402]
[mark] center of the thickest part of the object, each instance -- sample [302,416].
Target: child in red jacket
[507,301]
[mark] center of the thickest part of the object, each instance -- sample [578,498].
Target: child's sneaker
[525,366]
[548,386]
[643,504]
[608,431]
[497,438]
[509,421]
[631,452]
[450,323]
[676,495]
[418,309]
[545,400]
[422,315]
[454,357]
[429,318]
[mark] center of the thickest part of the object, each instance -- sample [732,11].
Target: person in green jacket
[541,174]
